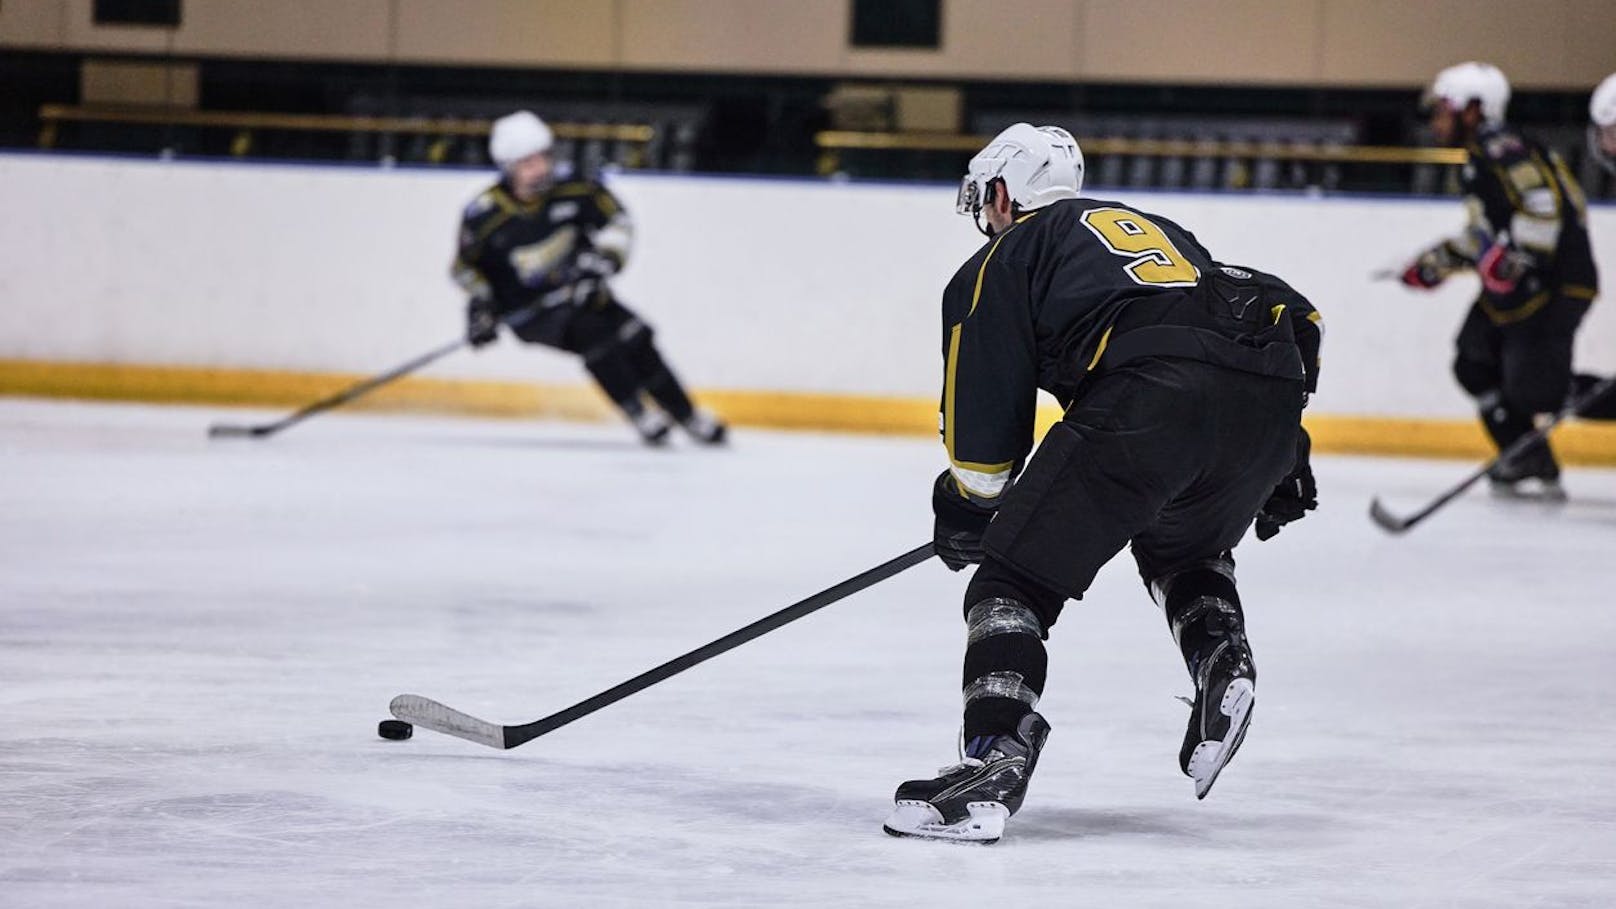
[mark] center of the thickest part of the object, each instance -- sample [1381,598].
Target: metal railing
[841,140]
[1201,163]
[247,124]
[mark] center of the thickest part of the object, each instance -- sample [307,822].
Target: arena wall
[786,302]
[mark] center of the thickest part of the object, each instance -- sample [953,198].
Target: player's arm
[613,237]
[990,379]
[607,229]
[481,316]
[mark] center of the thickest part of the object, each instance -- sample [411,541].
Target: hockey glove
[957,533]
[1294,497]
[1432,267]
[1502,267]
[482,326]
[590,264]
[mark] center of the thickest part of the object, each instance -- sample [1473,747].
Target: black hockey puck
[397,730]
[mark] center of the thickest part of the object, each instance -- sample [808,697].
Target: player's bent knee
[994,580]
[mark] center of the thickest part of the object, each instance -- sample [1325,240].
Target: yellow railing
[842,140]
[246,122]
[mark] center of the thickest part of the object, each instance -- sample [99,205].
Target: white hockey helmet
[1038,164]
[515,136]
[1462,83]
[1602,106]
[1602,131]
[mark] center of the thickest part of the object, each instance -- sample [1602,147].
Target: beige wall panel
[1260,41]
[1591,46]
[79,33]
[509,32]
[775,36]
[32,23]
[1397,42]
[324,29]
[1032,39]
[138,82]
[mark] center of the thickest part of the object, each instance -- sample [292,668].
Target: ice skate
[1534,476]
[1226,692]
[652,425]
[969,802]
[706,428]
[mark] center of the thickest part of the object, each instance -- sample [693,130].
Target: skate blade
[1547,493]
[922,821]
[1208,758]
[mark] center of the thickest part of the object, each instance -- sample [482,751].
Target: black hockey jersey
[1083,285]
[1514,184]
[515,254]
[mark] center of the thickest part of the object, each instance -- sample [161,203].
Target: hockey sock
[1005,666]
[1506,424]
[615,374]
[1203,610]
[658,380]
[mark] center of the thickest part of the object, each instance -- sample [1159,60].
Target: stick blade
[429,714]
[228,431]
[1388,522]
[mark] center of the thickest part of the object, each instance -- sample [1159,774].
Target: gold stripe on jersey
[950,372]
[1518,314]
[1099,351]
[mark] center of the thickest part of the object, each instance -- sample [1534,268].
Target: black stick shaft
[365,387]
[516,735]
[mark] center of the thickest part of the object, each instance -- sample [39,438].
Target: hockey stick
[1391,523]
[427,713]
[225,430]
[551,253]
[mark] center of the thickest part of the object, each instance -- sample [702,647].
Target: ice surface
[197,640]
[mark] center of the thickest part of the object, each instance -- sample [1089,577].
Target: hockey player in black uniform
[532,242]
[1527,239]
[1183,383]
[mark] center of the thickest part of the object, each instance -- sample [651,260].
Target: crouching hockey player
[1527,239]
[532,242]
[1183,383]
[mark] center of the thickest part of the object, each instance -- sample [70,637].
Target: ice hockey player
[1527,239]
[1183,383]
[531,241]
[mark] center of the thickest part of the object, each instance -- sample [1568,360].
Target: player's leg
[1481,365]
[1203,611]
[1184,558]
[1006,618]
[659,381]
[1099,476]
[602,337]
[1536,377]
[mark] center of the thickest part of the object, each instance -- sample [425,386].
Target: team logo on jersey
[534,262]
[563,211]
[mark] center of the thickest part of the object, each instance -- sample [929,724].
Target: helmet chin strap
[989,197]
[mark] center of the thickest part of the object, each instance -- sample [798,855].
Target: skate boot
[1225,693]
[652,425]
[970,801]
[1533,475]
[706,428]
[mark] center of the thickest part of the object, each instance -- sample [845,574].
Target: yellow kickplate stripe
[1582,443]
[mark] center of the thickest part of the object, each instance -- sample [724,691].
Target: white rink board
[754,284]
[196,642]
